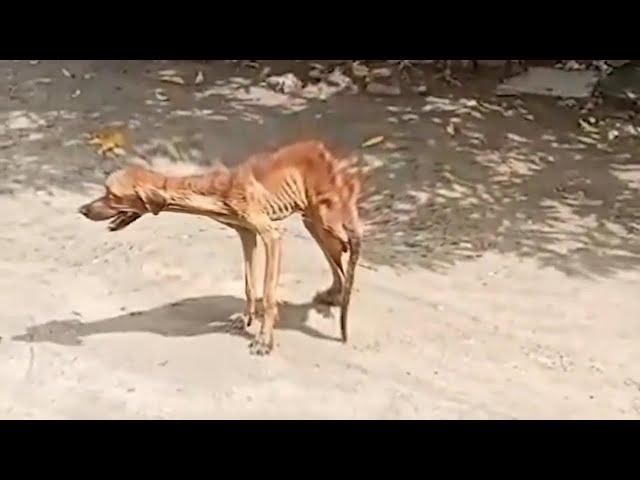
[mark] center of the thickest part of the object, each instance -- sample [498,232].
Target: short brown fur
[303,177]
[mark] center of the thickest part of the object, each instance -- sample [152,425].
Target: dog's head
[129,194]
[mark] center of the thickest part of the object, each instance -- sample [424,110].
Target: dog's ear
[153,200]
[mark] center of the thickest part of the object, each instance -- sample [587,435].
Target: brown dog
[303,177]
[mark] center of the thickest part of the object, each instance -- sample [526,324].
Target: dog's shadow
[185,318]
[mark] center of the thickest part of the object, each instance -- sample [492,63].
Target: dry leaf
[109,140]
[34,62]
[587,140]
[160,95]
[586,127]
[199,78]
[76,94]
[451,129]
[174,79]
[373,141]
[66,73]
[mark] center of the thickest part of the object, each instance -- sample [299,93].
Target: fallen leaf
[586,127]
[76,94]
[373,141]
[89,76]
[199,78]
[160,95]
[451,129]
[410,117]
[34,62]
[173,79]
[586,140]
[66,73]
[517,138]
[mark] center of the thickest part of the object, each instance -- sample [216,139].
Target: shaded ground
[518,227]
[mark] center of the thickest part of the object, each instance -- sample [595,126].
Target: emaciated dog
[303,178]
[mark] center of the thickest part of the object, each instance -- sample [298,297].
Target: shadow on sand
[185,318]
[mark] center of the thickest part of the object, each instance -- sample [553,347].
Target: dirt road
[501,274]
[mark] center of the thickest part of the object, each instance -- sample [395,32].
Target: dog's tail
[354,236]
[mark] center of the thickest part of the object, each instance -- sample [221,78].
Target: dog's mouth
[122,219]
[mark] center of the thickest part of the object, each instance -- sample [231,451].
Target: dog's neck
[197,194]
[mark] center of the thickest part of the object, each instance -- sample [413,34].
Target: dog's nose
[83,210]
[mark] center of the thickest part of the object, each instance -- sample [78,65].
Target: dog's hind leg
[332,249]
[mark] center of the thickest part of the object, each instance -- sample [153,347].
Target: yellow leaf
[373,141]
[176,80]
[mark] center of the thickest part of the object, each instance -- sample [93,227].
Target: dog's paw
[261,346]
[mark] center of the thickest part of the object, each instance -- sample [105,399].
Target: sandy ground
[500,278]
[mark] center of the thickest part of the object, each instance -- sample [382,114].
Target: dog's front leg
[263,342]
[249,241]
